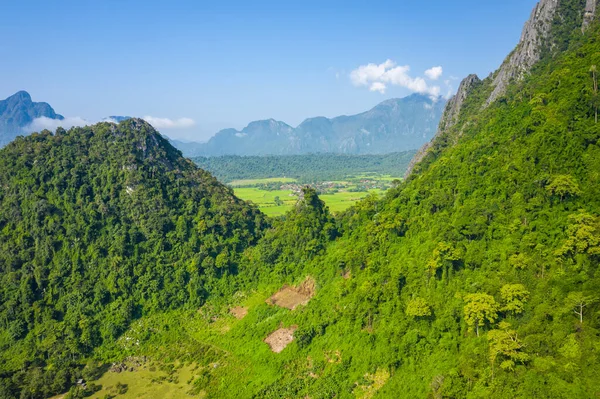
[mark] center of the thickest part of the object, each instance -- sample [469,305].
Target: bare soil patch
[239,312]
[281,338]
[292,297]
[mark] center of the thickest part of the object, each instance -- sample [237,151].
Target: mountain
[18,111]
[547,32]
[476,277]
[118,118]
[392,126]
[98,226]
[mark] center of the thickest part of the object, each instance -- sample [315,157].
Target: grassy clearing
[150,382]
[343,200]
[265,199]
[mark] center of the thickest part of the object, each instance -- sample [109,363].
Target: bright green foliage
[98,227]
[505,345]
[443,257]
[480,309]
[583,235]
[481,191]
[577,301]
[300,236]
[571,351]
[418,307]
[514,297]
[563,186]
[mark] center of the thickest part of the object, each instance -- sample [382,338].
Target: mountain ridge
[18,111]
[548,30]
[393,125]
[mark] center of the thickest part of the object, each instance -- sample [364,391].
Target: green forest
[476,277]
[304,168]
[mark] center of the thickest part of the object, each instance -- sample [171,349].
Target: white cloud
[43,122]
[434,73]
[378,86]
[166,123]
[39,124]
[377,76]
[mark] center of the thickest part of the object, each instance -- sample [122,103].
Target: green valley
[276,196]
[129,271]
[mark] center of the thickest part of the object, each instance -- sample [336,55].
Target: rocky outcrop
[536,38]
[449,117]
[529,49]
[589,14]
[455,104]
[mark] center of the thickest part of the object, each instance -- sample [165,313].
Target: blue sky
[226,63]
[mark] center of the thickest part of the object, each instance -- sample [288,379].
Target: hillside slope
[478,277]
[99,226]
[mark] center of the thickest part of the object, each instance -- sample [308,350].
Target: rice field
[266,200]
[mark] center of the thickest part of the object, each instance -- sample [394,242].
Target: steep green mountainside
[99,226]
[306,168]
[477,277]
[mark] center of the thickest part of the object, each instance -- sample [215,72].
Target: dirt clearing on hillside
[292,297]
[281,338]
[239,312]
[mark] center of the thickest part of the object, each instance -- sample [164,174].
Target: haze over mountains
[395,125]
[18,111]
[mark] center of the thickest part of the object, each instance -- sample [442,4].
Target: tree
[505,344]
[564,186]
[480,308]
[578,301]
[583,235]
[277,201]
[418,307]
[443,256]
[514,297]
[594,71]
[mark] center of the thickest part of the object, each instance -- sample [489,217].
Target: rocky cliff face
[536,38]
[449,117]
[455,104]
[589,14]
[528,50]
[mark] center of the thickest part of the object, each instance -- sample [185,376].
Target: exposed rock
[449,117]
[455,104]
[535,39]
[528,50]
[589,14]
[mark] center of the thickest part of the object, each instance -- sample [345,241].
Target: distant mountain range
[393,125]
[18,111]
